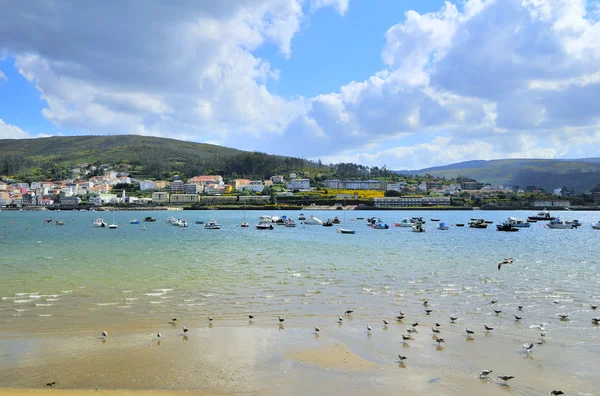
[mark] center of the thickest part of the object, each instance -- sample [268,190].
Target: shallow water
[77,278]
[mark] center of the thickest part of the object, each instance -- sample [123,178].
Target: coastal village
[102,186]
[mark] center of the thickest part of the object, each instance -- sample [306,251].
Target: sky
[407,84]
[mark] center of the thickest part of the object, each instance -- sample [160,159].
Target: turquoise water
[77,273]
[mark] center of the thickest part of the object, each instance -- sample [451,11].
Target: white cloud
[8,131]
[3,76]
[479,79]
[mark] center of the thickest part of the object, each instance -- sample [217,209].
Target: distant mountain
[579,174]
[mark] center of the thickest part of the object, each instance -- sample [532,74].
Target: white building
[399,186]
[254,186]
[147,185]
[298,184]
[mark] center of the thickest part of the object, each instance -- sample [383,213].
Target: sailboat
[113,225]
[345,230]
[244,223]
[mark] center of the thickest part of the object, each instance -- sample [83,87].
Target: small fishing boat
[345,231]
[199,222]
[404,223]
[596,226]
[264,226]
[244,225]
[290,223]
[336,220]
[149,219]
[301,217]
[59,223]
[313,221]
[212,225]
[544,216]
[419,227]
[459,224]
[380,226]
[575,223]
[47,220]
[506,226]
[434,219]
[328,223]
[113,226]
[518,222]
[182,223]
[558,224]
[134,221]
[478,223]
[99,222]
[443,226]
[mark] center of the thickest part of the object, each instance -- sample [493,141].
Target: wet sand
[258,359]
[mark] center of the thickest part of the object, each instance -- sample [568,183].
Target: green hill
[578,174]
[53,157]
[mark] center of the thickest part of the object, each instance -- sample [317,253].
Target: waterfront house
[160,197]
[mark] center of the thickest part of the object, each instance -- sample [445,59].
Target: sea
[73,278]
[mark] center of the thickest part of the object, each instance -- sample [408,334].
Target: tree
[392,193]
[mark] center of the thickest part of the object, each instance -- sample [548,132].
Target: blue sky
[408,84]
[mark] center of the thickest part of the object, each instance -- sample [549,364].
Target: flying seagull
[505,261]
[498,312]
[485,373]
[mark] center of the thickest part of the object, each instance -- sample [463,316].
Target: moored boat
[59,223]
[419,227]
[443,226]
[544,216]
[336,220]
[244,225]
[134,221]
[345,231]
[212,225]
[404,223]
[558,224]
[313,221]
[596,226]
[513,221]
[301,217]
[99,222]
[380,226]
[290,223]
[506,226]
[328,223]
[149,219]
[478,223]
[264,226]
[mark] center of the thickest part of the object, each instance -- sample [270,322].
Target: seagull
[505,261]
[280,319]
[438,324]
[563,316]
[469,331]
[453,319]
[173,319]
[415,324]
[556,302]
[436,330]
[439,340]
[348,312]
[401,313]
[520,307]
[317,329]
[498,312]
[250,316]
[557,392]
[402,358]
[493,301]
[594,307]
[104,334]
[210,319]
[543,333]
[368,328]
[185,329]
[425,302]
[488,328]
[518,317]
[485,373]
[158,334]
[505,377]
[400,317]
[409,330]
[405,337]
[385,322]
[528,347]
[596,320]
[340,319]
[428,311]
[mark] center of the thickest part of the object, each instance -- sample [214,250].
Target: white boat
[345,231]
[380,226]
[313,221]
[443,226]
[182,223]
[212,225]
[404,223]
[418,227]
[514,222]
[265,223]
[290,223]
[596,226]
[558,224]
[278,220]
[99,222]
[171,220]
[134,221]
[113,226]
[60,222]
[244,225]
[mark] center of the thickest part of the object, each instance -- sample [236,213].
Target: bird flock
[436,330]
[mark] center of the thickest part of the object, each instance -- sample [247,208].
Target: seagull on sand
[488,328]
[185,329]
[401,313]
[385,322]
[436,330]
[368,328]
[210,319]
[415,324]
[158,334]
[411,330]
[557,392]
[439,340]
[518,317]
[317,329]
[453,319]
[596,320]
[520,307]
[173,319]
[280,319]
[438,324]
[425,302]
[505,378]
[250,316]
[485,373]
[405,337]
[563,316]
[469,331]
[504,262]
[104,334]
[402,358]
[498,312]
[399,317]
[340,319]
[594,307]
[493,301]
[428,311]
[348,312]
[528,347]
